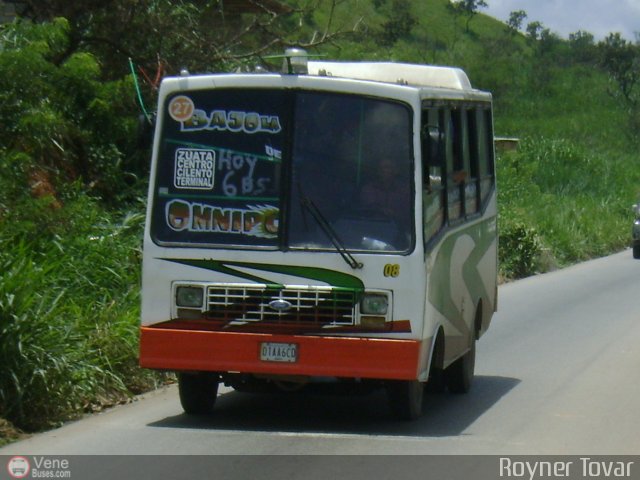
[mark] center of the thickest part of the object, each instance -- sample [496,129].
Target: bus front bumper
[316,356]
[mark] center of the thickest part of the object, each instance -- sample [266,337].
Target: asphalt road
[557,373]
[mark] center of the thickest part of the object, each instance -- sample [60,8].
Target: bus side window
[456,173]
[472,189]
[433,188]
[485,153]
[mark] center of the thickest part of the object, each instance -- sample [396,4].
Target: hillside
[567,192]
[73,175]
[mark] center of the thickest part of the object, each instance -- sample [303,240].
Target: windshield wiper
[329,231]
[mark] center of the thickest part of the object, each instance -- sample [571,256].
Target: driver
[386,192]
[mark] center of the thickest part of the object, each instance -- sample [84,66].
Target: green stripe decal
[334,278]
[220,267]
[474,243]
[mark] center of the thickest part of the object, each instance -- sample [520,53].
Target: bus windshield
[276,169]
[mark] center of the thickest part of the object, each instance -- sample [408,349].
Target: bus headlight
[191,297]
[374,304]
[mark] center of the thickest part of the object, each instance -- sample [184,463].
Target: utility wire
[137,86]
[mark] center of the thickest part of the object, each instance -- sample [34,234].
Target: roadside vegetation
[73,169]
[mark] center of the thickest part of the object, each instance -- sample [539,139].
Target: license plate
[279,352]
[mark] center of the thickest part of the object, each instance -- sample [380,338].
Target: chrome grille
[314,305]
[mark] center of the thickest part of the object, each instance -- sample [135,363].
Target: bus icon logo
[18,467]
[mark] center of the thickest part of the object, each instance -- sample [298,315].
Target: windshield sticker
[222,120]
[273,153]
[239,174]
[254,220]
[181,108]
[194,168]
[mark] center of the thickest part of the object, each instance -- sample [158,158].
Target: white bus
[333,222]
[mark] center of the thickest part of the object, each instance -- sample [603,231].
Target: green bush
[70,230]
[69,301]
[519,250]
[69,312]
[57,112]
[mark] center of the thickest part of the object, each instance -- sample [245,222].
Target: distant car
[635,232]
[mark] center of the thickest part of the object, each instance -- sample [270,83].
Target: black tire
[636,251]
[436,383]
[459,375]
[198,392]
[406,399]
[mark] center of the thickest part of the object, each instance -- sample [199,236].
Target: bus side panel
[462,276]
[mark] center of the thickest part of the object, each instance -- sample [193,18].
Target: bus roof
[397,73]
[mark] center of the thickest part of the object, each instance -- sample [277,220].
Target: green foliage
[519,249]
[164,36]
[69,291]
[467,8]
[583,46]
[62,117]
[69,310]
[573,201]
[398,22]
[516,18]
[621,60]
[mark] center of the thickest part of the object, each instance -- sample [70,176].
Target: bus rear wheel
[198,392]
[406,399]
[459,375]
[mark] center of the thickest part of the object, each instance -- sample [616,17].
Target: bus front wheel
[198,392]
[405,398]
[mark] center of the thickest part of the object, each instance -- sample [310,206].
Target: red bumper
[345,357]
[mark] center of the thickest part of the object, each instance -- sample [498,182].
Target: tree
[514,24]
[59,120]
[468,9]
[67,100]
[399,23]
[533,30]
[200,35]
[583,47]
[621,60]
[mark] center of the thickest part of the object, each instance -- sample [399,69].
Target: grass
[573,180]
[576,202]
[69,305]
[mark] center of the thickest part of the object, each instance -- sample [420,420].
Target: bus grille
[308,305]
